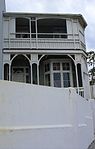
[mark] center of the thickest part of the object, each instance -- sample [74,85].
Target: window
[57,79]
[66,79]
[55,28]
[22,28]
[66,74]
[65,66]
[58,74]
[56,66]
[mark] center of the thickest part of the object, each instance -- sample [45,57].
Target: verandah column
[10,72]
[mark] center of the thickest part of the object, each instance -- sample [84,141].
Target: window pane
[66,79]
[56,66]
[57,79]
[66,66]
[47,67]
[47,79]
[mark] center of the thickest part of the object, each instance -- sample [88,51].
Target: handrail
[54,35]
[80,91]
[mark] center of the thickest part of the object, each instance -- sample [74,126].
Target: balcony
[43,41]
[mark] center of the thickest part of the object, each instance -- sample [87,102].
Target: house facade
[44,49]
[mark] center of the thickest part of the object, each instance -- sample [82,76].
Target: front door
[20,74]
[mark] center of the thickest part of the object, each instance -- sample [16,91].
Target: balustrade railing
[42,40]
[44,35]
[80,91]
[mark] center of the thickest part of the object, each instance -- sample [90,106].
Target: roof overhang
[24,14]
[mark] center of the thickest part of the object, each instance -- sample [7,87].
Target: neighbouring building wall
[43,118]
[92,101]
[2,9]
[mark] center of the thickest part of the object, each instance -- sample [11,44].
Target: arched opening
[20,69]
[57,71]
[79,75]
[6,71]
[34,73]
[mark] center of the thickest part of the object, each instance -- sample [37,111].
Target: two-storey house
[45,49]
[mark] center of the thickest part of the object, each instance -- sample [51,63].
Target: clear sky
[84,7]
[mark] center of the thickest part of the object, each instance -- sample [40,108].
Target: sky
[84,7]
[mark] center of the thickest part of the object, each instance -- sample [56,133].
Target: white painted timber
[53,43]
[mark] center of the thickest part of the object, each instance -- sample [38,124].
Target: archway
[57,71]
[20,69]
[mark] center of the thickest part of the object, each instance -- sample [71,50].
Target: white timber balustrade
[43,40]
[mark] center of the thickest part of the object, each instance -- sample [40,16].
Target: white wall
[92,91]
[81,33]
[6,28]
[92,101]
[9,27]
[69,28]
[37,117]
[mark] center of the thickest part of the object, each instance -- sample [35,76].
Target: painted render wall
[93,109]
[2,9]
[92,91]
[38,117]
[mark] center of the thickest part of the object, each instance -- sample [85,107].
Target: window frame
[61,71]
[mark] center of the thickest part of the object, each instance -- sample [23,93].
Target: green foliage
[91,64]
